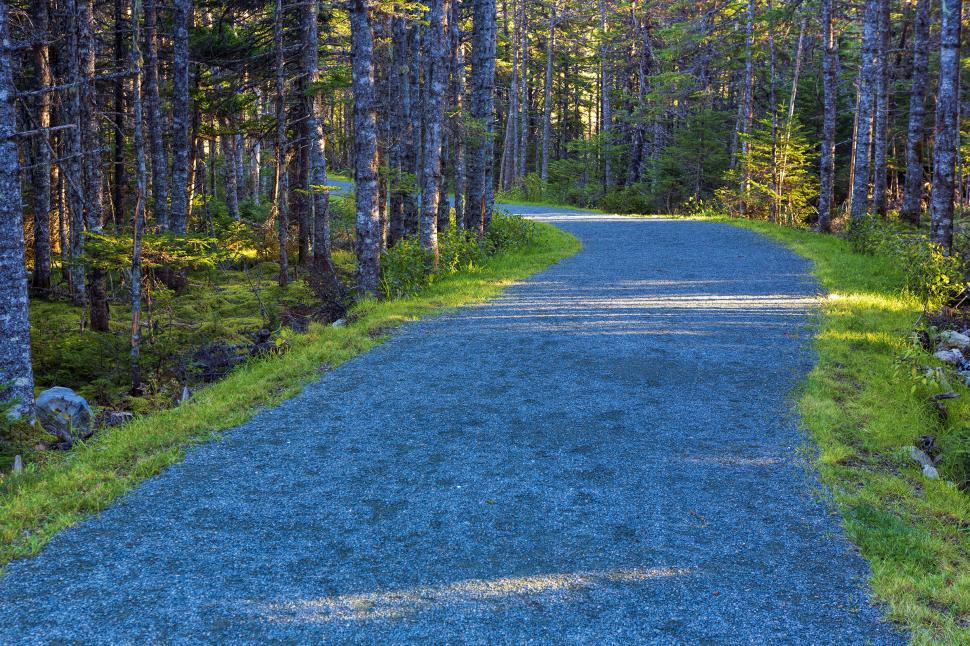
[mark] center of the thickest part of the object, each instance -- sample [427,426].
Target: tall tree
[826,196]
[141,184]
[913,182]
[547,92]
[433,124]
[868,71]
[947,133]
[91,143]
[478,176]
[41,171]
[323,275]
[160,178]
[16,373]
[368,244]
[181,19]
[880,128]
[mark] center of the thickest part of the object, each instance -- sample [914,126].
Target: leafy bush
[630,199]
[406,267]
[933,276]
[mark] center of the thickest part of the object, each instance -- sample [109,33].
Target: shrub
[932,276]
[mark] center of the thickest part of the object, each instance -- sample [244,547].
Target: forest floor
[605,452]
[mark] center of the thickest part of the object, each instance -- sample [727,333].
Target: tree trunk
[547,93]
[72,162]
[91,168]
[434,116]
[181,18]
[913,183]
[368,245]
[867,89]
[160,179]
[829,90]
[41,171]
[478,176]
[280,192]
[880,135]
[119,188]
[16,374]
[141,181]
[323,278]
[457,91]
[606,114]
[947,139]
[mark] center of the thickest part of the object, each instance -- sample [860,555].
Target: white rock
[931,472]
[64,413]
[920,456]
[18,463]
[339,323]
[953,339]
[952,355]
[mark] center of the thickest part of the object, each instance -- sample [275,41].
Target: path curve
[605,453]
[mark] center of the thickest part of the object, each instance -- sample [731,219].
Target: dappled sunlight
[647,307]
[398,604]
[870,301]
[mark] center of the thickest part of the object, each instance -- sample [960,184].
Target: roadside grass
[66,487]
[862,411]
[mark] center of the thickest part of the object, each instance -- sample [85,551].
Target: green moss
[58,492]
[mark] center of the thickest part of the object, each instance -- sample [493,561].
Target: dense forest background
[180,176]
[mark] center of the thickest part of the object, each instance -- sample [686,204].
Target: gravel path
[604,454]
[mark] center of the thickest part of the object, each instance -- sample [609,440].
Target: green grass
[66,487]
[862,412]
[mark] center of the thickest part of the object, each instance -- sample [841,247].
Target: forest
[208,204]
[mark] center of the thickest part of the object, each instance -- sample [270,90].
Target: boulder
[64,413]
[953,339]
[950,355]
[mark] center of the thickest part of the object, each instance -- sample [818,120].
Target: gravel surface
[605,454]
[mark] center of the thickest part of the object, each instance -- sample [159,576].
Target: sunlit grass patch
[862,412]
[61,490]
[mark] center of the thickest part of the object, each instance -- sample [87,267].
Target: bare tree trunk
[829,90]
[746,107]
[867,89]
[97,287]
[41,171]
[547,93]
[400,117]
[478,177]
[434,116]
[141,181]
[119,187]
[606,115]
[281,185]
[522,121]
[947,139]
[72,162]
[880,134]
[228,144]
[913,183]
[16,373]
[181,17]
[323,275]
[458,103]
[160,179]
[368,222]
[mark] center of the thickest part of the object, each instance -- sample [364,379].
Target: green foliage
[776,179]
[113,251]
[406,268]
[931,275]
[691,167]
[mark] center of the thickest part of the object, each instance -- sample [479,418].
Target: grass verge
[862,411]
[59,492]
